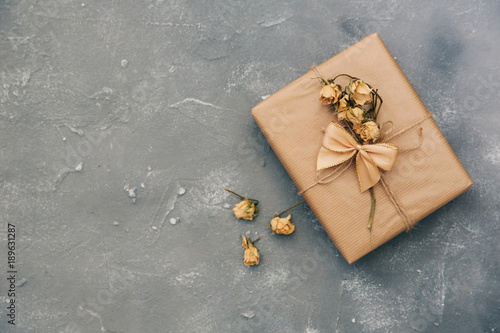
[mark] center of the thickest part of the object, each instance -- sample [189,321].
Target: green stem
[242,197]
[372,212]
[374,104]
[255,241]
[283,212]
[349,76]
[379,105]
[321,79]
[250,241]
[353,133]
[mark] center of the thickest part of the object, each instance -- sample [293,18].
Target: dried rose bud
[368,131]
[251,256]
[360,91]
[330,94]
[355,116]
[245,210]
[343,107]
[282,226]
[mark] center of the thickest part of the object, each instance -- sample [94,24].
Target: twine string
[316,71]
[395,202]
[420,141]
[383,133]
[336,173]
[406,129]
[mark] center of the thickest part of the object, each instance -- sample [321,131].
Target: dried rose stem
[242,197]
[256,239]
[250,241]
[379,105]
[349,76]
[372,212]
[283,212]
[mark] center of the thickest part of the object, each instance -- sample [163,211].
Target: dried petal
[369,131]
[245,210]
[330,94]
[360,91]
[355,116]
[282,226]
[251,256]
[343,107]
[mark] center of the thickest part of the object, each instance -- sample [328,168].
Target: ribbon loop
[340,146]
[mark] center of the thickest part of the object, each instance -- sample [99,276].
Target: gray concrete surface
[97,95]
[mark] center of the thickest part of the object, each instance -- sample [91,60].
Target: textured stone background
[97,95]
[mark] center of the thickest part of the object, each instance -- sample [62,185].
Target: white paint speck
[64,138]
[174,220]
[182,191]
[227,206]
[194,101]
[264,97]
[353,320]
[21,282]
[310,328]
[149,168]
[188,279]
[131,192]
[124,63]
[83,4]
[75,130]
[79,167]
[154,228]
[248,315]
[377,311]
[276,21]
[142,185]
[493,155]
[276,277]
[116,223]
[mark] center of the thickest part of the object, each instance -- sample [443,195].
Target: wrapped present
[426,175]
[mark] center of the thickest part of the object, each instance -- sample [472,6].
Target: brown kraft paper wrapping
[422,180]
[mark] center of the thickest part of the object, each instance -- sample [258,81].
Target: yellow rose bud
[282,226]
[330,94]
[360,91]
[251,256]
[368,131]
[245,210]
[343,108]
[355,116]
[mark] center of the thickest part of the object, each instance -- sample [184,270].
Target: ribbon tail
[368,173]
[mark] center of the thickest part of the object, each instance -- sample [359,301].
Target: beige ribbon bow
[339,146]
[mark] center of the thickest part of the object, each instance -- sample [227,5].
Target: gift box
[426,175]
